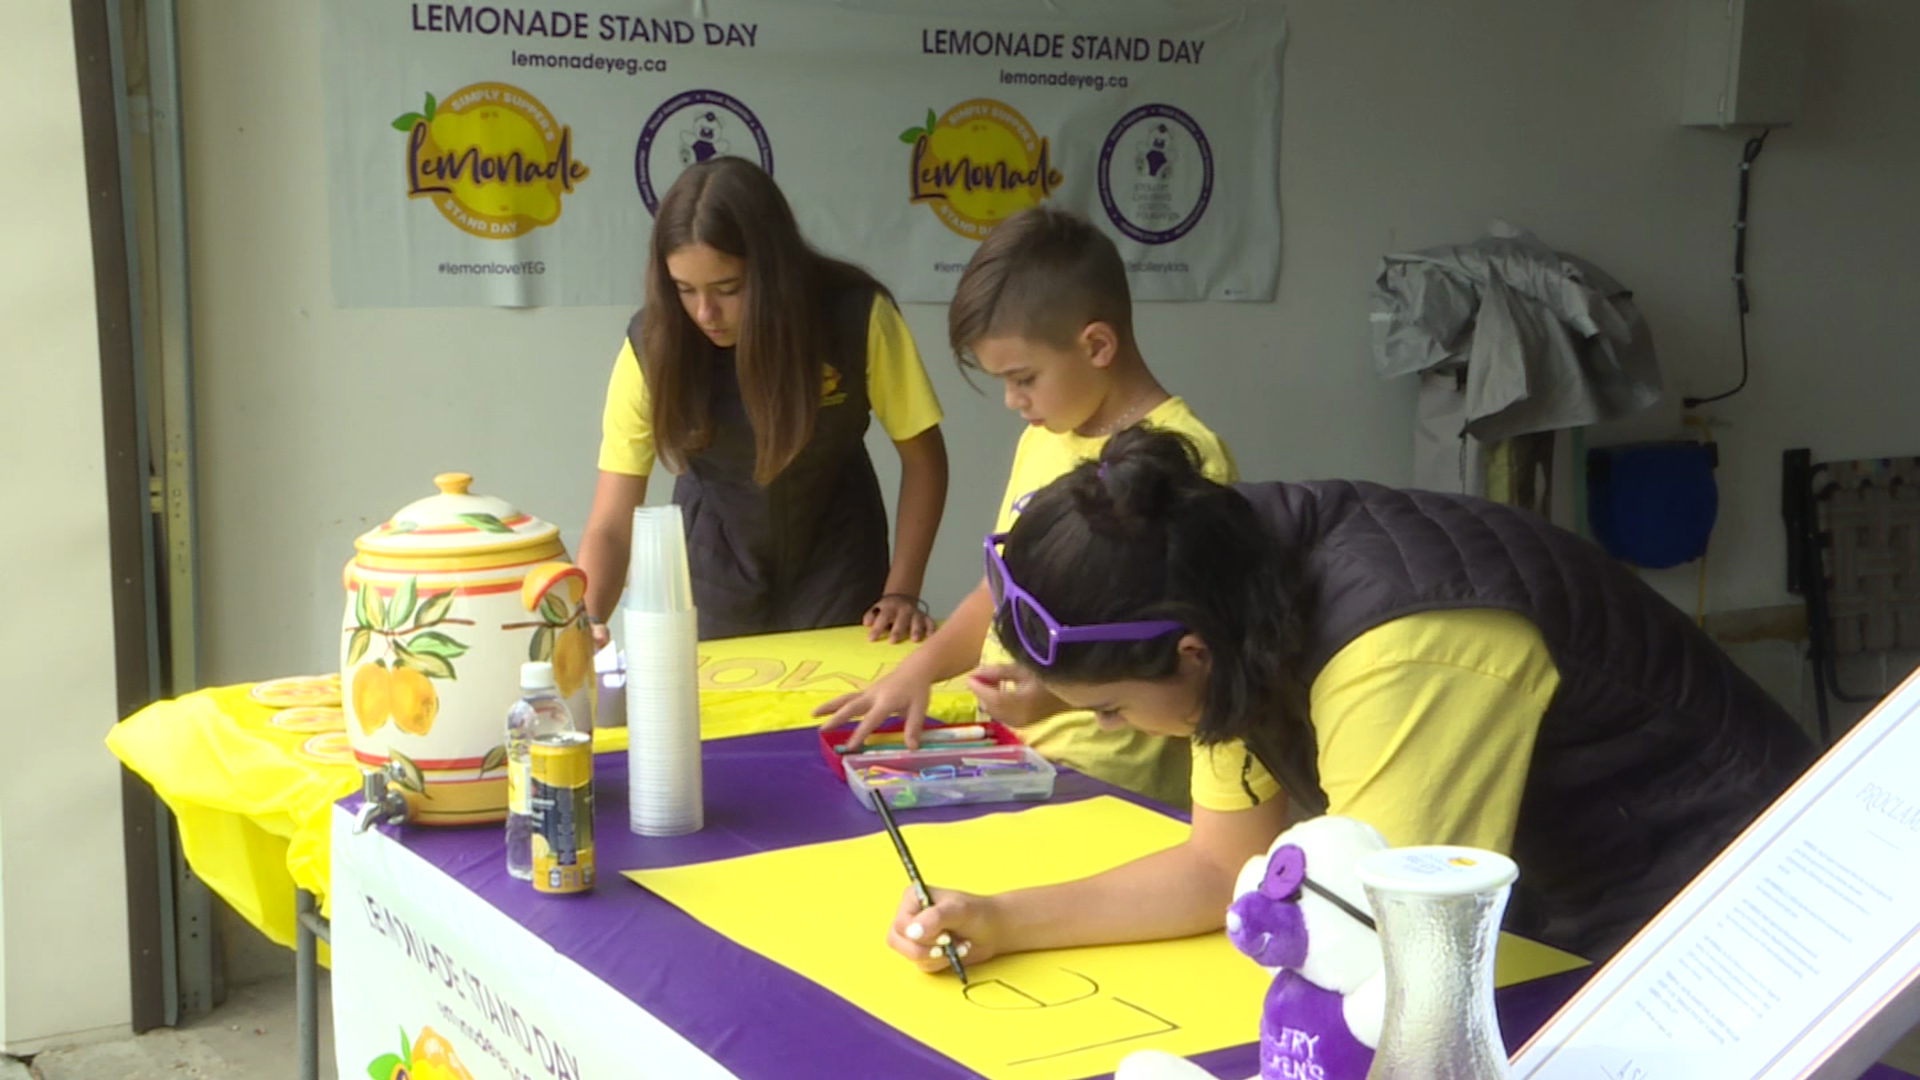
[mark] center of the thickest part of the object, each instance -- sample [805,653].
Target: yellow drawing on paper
[822,910]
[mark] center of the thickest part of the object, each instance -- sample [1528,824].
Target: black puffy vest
[1656,751]
[808,549]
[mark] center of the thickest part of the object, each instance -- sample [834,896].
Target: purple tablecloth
[758,1019]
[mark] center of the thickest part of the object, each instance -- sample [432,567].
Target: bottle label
[561,793]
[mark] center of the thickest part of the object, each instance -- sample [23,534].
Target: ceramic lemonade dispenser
[444,602]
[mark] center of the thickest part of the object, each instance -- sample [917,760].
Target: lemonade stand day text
[1043,46]
[491,19]
[496,1011]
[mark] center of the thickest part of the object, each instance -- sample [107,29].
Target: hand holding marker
[913,875]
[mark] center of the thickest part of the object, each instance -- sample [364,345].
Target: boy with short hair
[1044,307]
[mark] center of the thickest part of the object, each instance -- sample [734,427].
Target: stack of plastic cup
[663,697]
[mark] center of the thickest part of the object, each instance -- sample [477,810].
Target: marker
[961,733]
[901,748]
[913,875]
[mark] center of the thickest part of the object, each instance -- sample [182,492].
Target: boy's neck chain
[1133,414]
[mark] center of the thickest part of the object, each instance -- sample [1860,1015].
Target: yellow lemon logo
[492,158]
[430,1057]
[978,165]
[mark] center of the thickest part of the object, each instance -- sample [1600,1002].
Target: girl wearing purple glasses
[1446,669]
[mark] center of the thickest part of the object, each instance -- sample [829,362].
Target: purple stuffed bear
[1300,912]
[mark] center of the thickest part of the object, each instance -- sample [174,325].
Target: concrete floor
[250,1034]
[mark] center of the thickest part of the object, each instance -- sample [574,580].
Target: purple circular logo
[1156,174]
[692,127]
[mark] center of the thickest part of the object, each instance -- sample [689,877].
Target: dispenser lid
[456,522]
[1437,870]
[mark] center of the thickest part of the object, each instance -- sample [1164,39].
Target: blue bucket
[1653,505]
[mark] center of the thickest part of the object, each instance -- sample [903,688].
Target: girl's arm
[606,543]
[1178,892]
[923,499]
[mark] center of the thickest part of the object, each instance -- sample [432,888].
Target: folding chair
[1853,553]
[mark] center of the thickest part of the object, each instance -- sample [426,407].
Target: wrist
[998,916]
[911,599]
[914,668]
[905,582]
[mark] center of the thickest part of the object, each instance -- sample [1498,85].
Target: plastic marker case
[931,776]
[918,778]
[832,740]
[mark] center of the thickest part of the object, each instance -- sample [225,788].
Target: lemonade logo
[978,165]
[428,1057]
[492,159]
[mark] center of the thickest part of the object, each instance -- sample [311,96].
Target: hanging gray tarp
[1547,340]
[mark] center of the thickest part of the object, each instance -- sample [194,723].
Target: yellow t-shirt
[1151,765]
[897,386]
[1425,727]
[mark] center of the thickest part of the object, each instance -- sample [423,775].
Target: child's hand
[897,617]
[967,921]
[601,635]
[900,694]
[1011,695]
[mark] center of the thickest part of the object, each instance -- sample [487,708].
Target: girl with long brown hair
[751,374]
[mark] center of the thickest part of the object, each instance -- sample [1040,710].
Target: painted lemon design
[572,659]
[415,702]
[555,592]
[545,578]
[372,696]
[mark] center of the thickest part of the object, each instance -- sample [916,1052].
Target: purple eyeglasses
[1027,610]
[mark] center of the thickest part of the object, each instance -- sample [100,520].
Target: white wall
[63,914]
[1407,123]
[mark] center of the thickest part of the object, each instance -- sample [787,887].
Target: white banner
[512,155]
[433,980]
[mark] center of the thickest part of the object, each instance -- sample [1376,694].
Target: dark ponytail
[1141,534]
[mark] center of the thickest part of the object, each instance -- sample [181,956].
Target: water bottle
[539,711]
[1439,913]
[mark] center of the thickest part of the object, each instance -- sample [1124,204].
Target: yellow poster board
[822,910]
[750,685]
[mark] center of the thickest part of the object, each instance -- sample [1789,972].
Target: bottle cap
[537,675]
[1437,871]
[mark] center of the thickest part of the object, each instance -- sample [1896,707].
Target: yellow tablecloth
[251,796]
